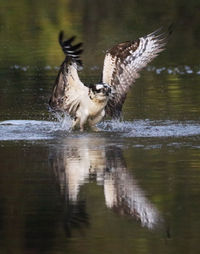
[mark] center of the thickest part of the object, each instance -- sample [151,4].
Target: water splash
[64,120]
[41,130]
[32,129]
[148,128]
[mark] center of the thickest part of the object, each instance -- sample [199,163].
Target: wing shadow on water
[77,160]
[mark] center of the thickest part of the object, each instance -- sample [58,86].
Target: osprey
[87,105]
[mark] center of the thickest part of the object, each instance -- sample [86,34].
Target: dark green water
[135,186]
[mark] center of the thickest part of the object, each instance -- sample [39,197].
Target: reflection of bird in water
[78,159]
[74,163]
[123,194]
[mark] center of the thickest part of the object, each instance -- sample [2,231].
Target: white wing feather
[68,90]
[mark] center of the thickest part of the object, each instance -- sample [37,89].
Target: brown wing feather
[123,63]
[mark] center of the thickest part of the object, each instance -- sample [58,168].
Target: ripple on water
[39,130]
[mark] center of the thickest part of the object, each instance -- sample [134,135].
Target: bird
[86,104]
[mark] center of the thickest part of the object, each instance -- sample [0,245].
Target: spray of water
[61,126]
[63,121]
[148,128]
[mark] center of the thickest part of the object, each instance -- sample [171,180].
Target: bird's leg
[94,121]
[83,121]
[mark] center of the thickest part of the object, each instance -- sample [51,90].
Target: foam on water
[31,129]
[41,130]
[147,128]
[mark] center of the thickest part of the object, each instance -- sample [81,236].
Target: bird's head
[100,91]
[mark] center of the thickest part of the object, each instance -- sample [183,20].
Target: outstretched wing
[68,90]
[123,63]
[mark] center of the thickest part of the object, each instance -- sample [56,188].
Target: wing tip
[71,51]
[171,28]
[161,33]
[161,36]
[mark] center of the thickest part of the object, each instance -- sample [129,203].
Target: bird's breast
[94,107]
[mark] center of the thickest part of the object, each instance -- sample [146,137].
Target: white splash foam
[31,129]
[39,130]
[147,128]
[65,122]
